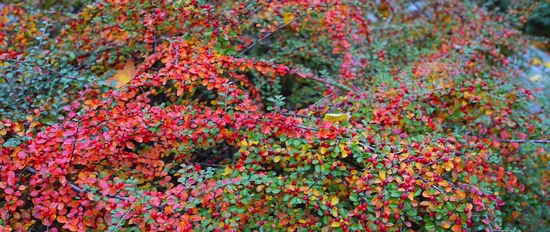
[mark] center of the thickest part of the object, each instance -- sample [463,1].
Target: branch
[420,9]
[30,64]
[427,182]
[75,187]
[522,141]
[122,219]
[298,115]
[269,34]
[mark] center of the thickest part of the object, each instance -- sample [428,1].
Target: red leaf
[9,191]
[155,201]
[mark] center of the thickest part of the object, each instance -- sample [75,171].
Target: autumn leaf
[334,200]
[122,76]
[446,224]
[336,117]
[287,17]
[382,175]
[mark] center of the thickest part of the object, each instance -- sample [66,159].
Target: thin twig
[323,98]
[298,115]
[269,34]
[420,9]
[75,187]
[36,65]
[122,219]
[488,221]
[522,141]
[433,186]
[41,39]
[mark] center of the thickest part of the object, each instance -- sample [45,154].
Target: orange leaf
[426,194]
[130,145]
[61,219]
[456,228]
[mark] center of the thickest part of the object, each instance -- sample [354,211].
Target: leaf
[382,175]
[473,179]
[334,200]
[446,224]
[226,171]
[130,145]
[343,150]
[122,76]
[337,117]
[287,17]
[335,224]
[456,228]
[276,159]
[61,219]
[430,226]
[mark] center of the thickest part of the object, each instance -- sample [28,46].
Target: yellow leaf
[226,171]
[3,131]
[323,150]
[276,159]
[334,212]
[446,224]
[122,76]
[343,150]
[418,166]
[410,195]
[244,143]
[287,17]
[334,200]
[382,175]
[335,224]
[547,64]
[448,165]
[338,117]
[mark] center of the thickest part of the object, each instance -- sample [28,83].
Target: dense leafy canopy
[266,115]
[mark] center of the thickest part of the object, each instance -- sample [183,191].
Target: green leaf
[411,212]
[430,226]
[353,197]
[473,179]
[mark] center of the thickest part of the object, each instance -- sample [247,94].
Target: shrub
[402,115]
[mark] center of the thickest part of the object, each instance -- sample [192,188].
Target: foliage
[539,21]
[232,119]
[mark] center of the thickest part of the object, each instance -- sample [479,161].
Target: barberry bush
[269,115]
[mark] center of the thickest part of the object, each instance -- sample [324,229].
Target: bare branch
[269,34]
[523,141]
